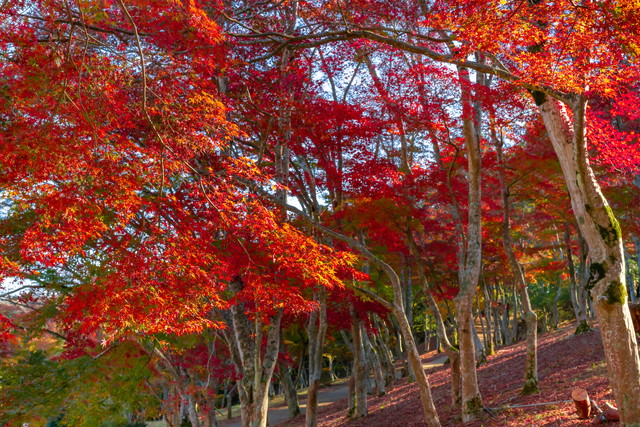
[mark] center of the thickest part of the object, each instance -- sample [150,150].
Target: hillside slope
[565,362]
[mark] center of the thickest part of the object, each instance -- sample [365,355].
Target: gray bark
[452,352]
[531,359]
[289,389]
[359,374]
[316,331]
[244,340]
[604,239]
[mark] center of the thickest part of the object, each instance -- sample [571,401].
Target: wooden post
[582,402]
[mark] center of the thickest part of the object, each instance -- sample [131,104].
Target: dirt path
[326,396]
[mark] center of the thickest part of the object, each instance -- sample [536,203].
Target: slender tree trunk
[290,392]
[431,416]
[491,343]
[408,294]
[470,274]
[604,239]
[516,316]
[375,364]
[504,319]
[384,353]
[210,419]
[483,328]
[582,293]
[636,244]
[361,379]
[452,352]
[531,358]
[630,287]
[316,333]
[481,356]
[191,411]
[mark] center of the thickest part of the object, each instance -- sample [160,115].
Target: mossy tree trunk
[602,233]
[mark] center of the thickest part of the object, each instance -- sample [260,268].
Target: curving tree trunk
[602,233]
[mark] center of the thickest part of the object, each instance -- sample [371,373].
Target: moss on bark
[473,406]
[616,293]
[530,386]
[582,328]
[610,234]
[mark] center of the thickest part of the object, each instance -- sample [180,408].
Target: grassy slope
[565,362]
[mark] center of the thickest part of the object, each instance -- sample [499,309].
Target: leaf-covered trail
[565,362]
[278,414]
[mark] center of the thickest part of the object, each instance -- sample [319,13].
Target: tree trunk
[470,393]
[604,239]
[531,358]
[452,352]
[290,392]
[244,339]
[582,293]
[491,343]
[408,295]
[351,395]
[470,256]
[316,333]
[481,357]
[210,419]
[630,287]
[431,416]
[516,317]
[384,353]
[636,244]
[359,372]
[483,328]
[191,411]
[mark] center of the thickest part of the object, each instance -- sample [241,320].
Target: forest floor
[565,362]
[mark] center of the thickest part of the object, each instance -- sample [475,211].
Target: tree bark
[383,351]
[375,364]
[630,287]
[316,333]
[531,358]
[244,340]
[471,264]
[359,374]
[604,239]
[491,342]
[290,392]
[452,352]
[636,244]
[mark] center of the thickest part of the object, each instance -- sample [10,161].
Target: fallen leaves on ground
[565,362]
